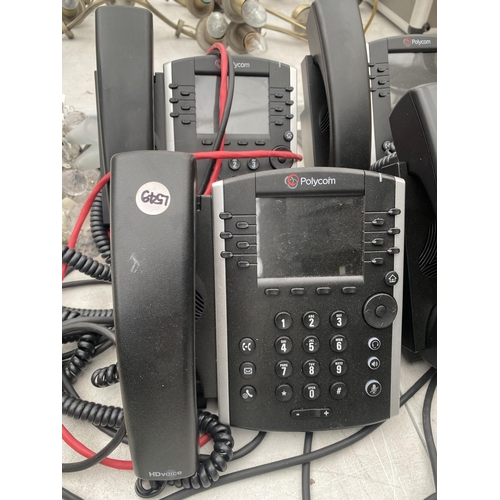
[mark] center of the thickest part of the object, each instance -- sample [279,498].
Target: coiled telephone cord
[209,468]
[84,264]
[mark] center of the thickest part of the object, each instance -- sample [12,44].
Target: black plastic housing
[123,82]
[153,275]
[337,45]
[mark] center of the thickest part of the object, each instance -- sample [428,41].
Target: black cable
[86,265]
[245,450]
[73,284]
[307,457]
[100,455]
[85,315]
[249,447]
[384,161]
[67,495]
[223,123]
[306,468]
[426,423]
[98,228]
[71,327]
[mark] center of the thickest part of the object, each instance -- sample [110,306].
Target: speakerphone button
[374,363]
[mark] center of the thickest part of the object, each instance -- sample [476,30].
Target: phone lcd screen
[249,109]
[409,69]
[310,236]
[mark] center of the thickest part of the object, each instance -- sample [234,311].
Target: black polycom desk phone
[282,290]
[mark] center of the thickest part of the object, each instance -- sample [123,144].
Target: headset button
[248,393]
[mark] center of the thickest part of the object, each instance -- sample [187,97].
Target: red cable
[226,155]
[222,106]
[79,447]
[66,435]
[83,215]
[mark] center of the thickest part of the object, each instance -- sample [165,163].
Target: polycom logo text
[293,180]
[408,41]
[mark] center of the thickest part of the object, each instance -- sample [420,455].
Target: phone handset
[152,208]
[336,72]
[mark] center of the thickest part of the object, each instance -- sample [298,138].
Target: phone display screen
[249,109]
[292,236]
[410,69]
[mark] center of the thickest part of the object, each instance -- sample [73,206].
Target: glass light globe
[217,25]
[70,4]
[255,43]
[253,13]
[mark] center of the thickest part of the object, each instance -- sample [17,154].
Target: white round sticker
[153,198]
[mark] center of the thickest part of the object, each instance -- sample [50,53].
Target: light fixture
[300,14]
[211,29]
[200,8]
[250,12]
